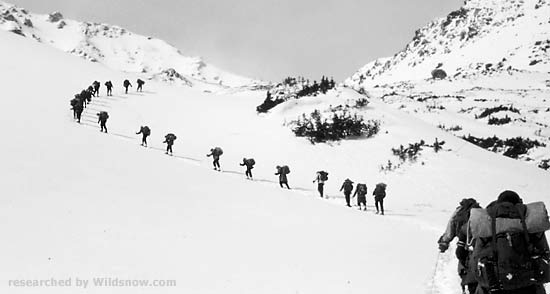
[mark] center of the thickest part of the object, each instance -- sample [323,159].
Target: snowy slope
[115,47]
[79,203]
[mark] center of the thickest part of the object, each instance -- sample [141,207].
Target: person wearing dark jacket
[86,97]
[361,193]
[78,109]
[145,132]
[215,153]
[379,195]
[140,85]
[249,163]
[96,85]
[169,140]
[283,180]
[91,90]
[537,241]
[347,187]
[102,121]
[126,84]
[456,227]
[109,86]
[74,102]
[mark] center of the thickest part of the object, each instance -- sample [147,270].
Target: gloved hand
[443,246]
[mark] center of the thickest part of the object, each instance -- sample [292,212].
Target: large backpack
[251,162]
[362,188]
[285,169]
[380,190]
[323,175]
[462,214]
[217,151]
[103,115]
[504,236]
[348,186]
[74,102]
[146,131]
[170,137]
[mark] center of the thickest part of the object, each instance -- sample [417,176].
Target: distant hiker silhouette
[145,131]
[249,163]
[78,108]
[86,97]
[361,193]
[96,85]
[321,178]
[102,120]
[91,90]
[109,86]
[74,102]
[347,187]
[282,172]
[169,140]
[379,195]
[216,153]
[126,84]
[140,84]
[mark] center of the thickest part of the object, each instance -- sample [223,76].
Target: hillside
[86,204]
[495,55]
[117,48]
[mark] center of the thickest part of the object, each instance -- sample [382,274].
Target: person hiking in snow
[102,120]
[379,195]
[74,102]
[282,171]
[456,227]
[109,86]
[169,140]
[321,178]
[126,84]
[78,109]
[96,85]
[145,131]
[513,257]
[86,97]
[140,84]
[249,163]
[347,187]
[216,153]
[361,193]
[91,90]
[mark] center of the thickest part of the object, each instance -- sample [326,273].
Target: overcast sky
[267,39]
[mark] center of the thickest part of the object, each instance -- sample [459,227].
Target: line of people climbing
[83,98]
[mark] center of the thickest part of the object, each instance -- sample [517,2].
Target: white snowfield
[77,203]
[117,48]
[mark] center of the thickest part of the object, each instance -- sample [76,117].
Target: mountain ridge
[116,47]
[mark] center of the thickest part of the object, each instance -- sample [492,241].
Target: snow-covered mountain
[116,48]
[484,37]
[495,55]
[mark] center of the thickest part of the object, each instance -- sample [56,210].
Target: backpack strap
[525,231]
[494,243]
